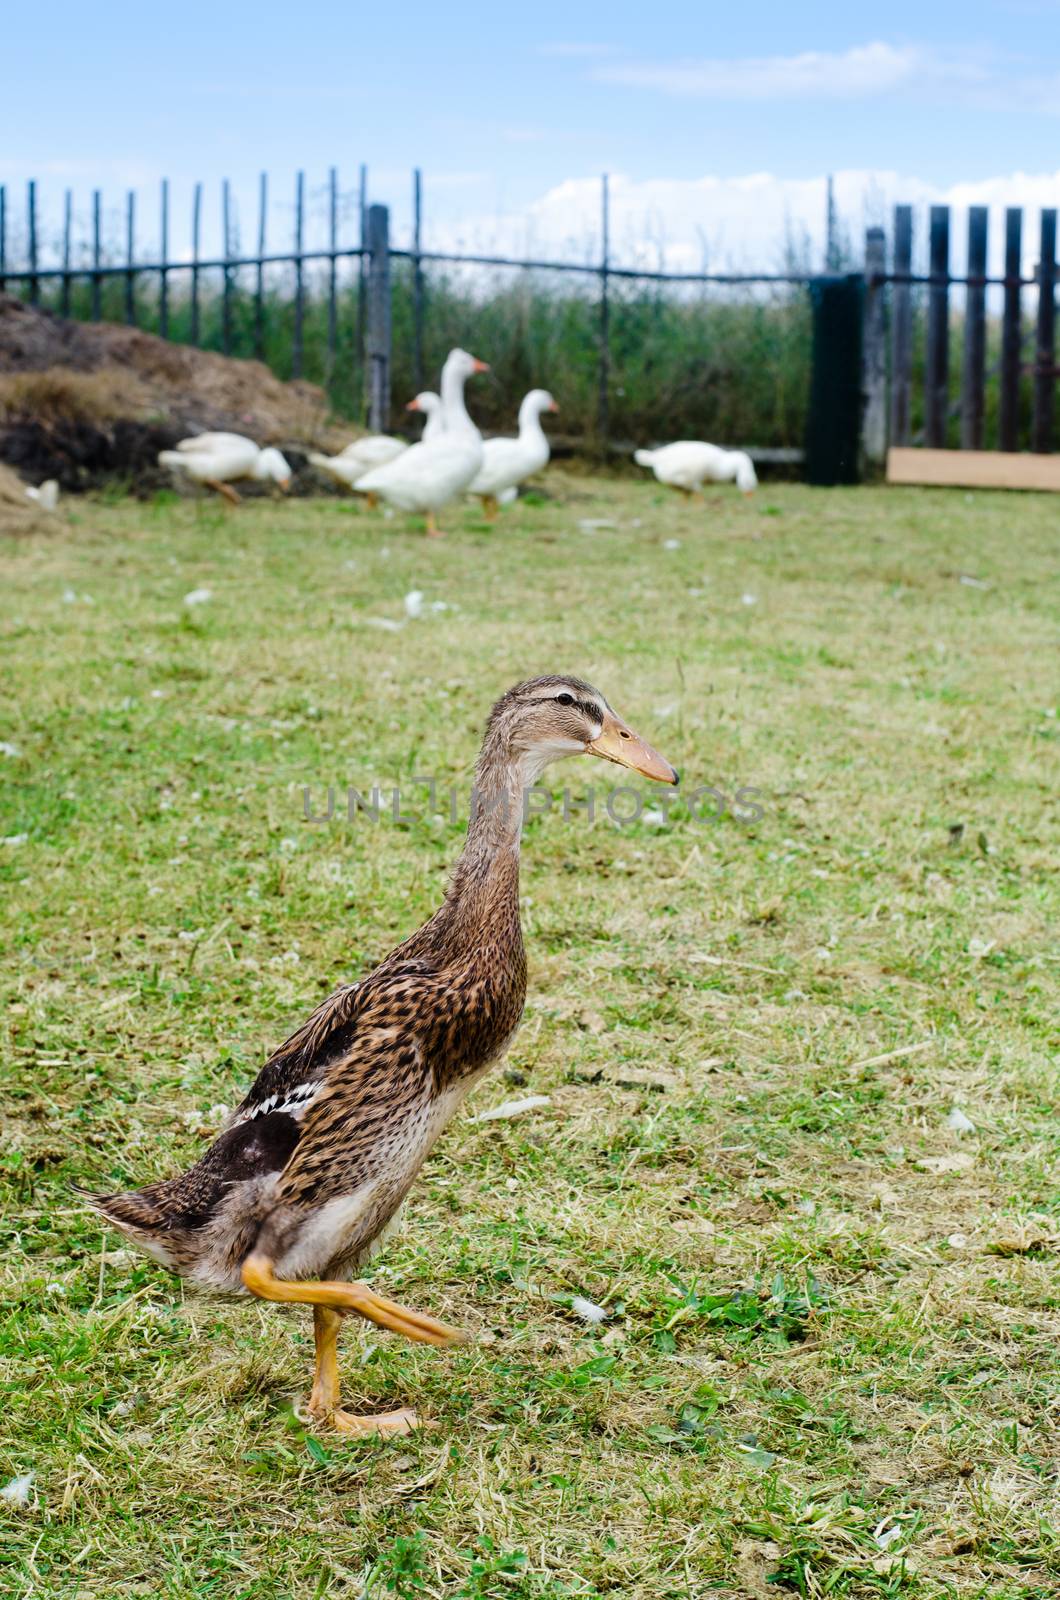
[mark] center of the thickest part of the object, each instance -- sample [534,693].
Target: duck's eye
[565,699]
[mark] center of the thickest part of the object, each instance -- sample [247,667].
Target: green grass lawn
[831,1358]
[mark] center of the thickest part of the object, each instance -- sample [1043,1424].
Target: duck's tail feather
[644,458]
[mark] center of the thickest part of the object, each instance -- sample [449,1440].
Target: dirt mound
[85,402]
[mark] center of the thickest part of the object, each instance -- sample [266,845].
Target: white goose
[689,463]
[507,462]
[215,459]
[430,474]
[431,407]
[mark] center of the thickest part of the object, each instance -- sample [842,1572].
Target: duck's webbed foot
[323,1401]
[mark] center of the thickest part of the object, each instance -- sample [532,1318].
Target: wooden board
[973,469]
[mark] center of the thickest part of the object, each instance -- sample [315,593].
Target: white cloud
[968,76]
[868,69]
[740,224]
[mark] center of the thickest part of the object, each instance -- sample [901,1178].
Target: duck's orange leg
[328,1299]
[324,1399]
[259,1278]
[225,490]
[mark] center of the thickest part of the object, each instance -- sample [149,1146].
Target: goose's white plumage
[215,458]
[431,407]
[506,463]
[351,464]
[46,495]
[689,463]
[428,475]
[374,451]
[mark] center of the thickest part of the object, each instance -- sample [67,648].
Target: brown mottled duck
[309,1174]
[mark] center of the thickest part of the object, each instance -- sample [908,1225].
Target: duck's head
[427,402]
[545,719]
[464,366]
[536,402]
[272,468]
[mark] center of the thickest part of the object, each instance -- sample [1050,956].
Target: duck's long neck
[482,904]
[530,429]
[454,411]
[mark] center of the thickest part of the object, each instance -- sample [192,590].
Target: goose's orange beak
[413,405]
[619,743]
[553,406]
[479,366]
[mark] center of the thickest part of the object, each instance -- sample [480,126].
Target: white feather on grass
[512,1108]
[588,1310]
[18,1491]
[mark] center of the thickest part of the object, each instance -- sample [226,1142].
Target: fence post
[937,369]
[130,256]
[68,227]
[603,417]
[333,245]
[1045,344]
[362,277]
[196,218]
[97,255]
[974,363]
[3,237]
[226,271]
[1010,330]
[31,220]
[417,278]
[874,367]
[299,276]
[902,329]
[163,276]
[833,424]
[378,331]
[259,285]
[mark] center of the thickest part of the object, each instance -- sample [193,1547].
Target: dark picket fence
[1004,397]
[1005,403]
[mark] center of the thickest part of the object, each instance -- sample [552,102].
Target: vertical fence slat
[3,237]
[362,281]
[226,271]
[196,223]
[97,254]
[831,228]
[874,350]
[299,277]
[1045,342]
[68,228]
[902,329]
[259,283]
[163,276]
[31,229]
[973,367]
[937,365]
[378,332]
[604,379]
[1010,330]
[130,256]
[417,278]
[333,245]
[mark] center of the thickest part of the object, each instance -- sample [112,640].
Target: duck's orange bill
[619,743]
[479,366]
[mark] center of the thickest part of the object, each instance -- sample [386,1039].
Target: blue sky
[503,105]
